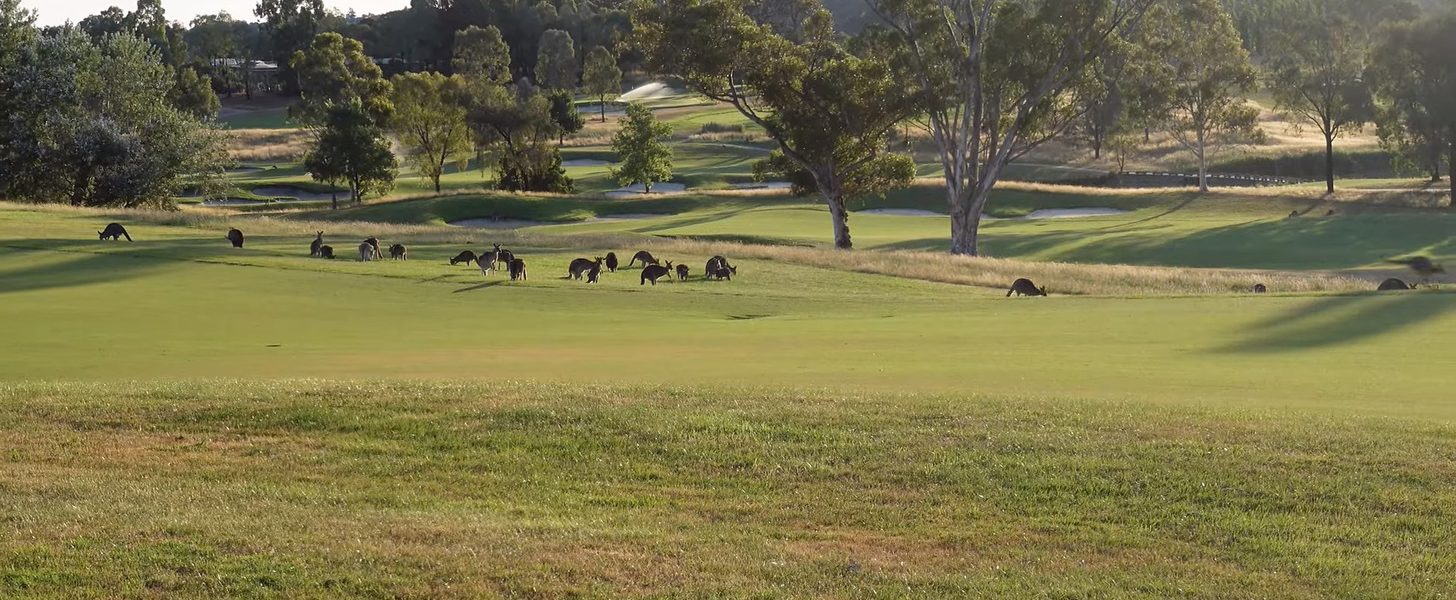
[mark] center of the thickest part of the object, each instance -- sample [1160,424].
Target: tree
[602,77]
[290,25]
[482,54]
[335,71]
[1318,71]
[556,61]
[514,124]
[829,110]
[1000,77]
[1414,76]
[351,148]
[564,113]
[89,123]
[192,94]
[642,156]
[105,23]
[1203,73]
[429,121]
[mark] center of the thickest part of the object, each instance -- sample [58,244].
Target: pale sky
[55,12]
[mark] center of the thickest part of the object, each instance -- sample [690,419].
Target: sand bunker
[638,189]
[497,223]
[1073,213]
[232,202]
[766,185]
[280,191]
[627,217]
[901,212]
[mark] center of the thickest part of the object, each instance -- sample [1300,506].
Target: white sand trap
[1074,213]
[232,202]
[901,212]
[585,162]
[627,217]
[766,185]
[638,189]
[650,91]
[278,191]
[496,223]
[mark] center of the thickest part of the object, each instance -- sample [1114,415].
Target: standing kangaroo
[488,260]
[1260,288]
[1024,287]
[645,257]
[612,262]
[595,273]
[716,264]
[721,273]
[374,246]
[581,265]
[114,231]
[314,249]
[682,272]
[654,272]
[366,252]
[236,237]
[518,269]
[399,252]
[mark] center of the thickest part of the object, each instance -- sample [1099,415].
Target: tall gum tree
[828,110]
[1001,77]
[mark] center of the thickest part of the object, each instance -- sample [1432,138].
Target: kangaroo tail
[1010,292]
[128,235]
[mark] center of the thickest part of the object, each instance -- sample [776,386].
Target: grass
[367,489]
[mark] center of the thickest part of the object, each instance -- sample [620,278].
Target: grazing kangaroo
[581,265]
[721,274]
[612,262]
[466,257]
[366,252]
[1024,287]
[1260,288]
[114,231]
[654,272]
[1394,285]
[318,243]
[595,273]
[374,245]
[718,263]
[326,252]
[518,269]
[645,257]
[399,252]
[236,237]
[682,272]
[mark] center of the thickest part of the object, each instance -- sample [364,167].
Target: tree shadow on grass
[481,286]
[1340,320]
[78,268]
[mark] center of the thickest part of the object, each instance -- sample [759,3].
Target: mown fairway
[186,419]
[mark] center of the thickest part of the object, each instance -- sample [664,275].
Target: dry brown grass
[1064,278]
[255,145]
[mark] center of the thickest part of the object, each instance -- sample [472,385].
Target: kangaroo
[612,262]
[466,257]
[654,272]
[366,252]
[488,260]
[718,263]
[1024,287]
[113,232]
[326,252]
[236,237]
[1260,288]
[645,257]
[595,273]
[518,269]
[1393,285]
[374,245]
[581,265]
[1294,214]
[506,257]
[682,272]
[722,273]
[318,243]
[399,252]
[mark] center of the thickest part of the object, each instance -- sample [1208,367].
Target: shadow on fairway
[481,286]
[1340,320]
[77,269]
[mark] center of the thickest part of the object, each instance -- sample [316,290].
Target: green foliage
[564,113]
[514,124]
[1412,72]
[335,71]
[92,124]
[482,54]
[601,76]
[1200,79]
[352,149]
[643,157]
[556,61]
[290,26]
[193,95]
[429,121]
